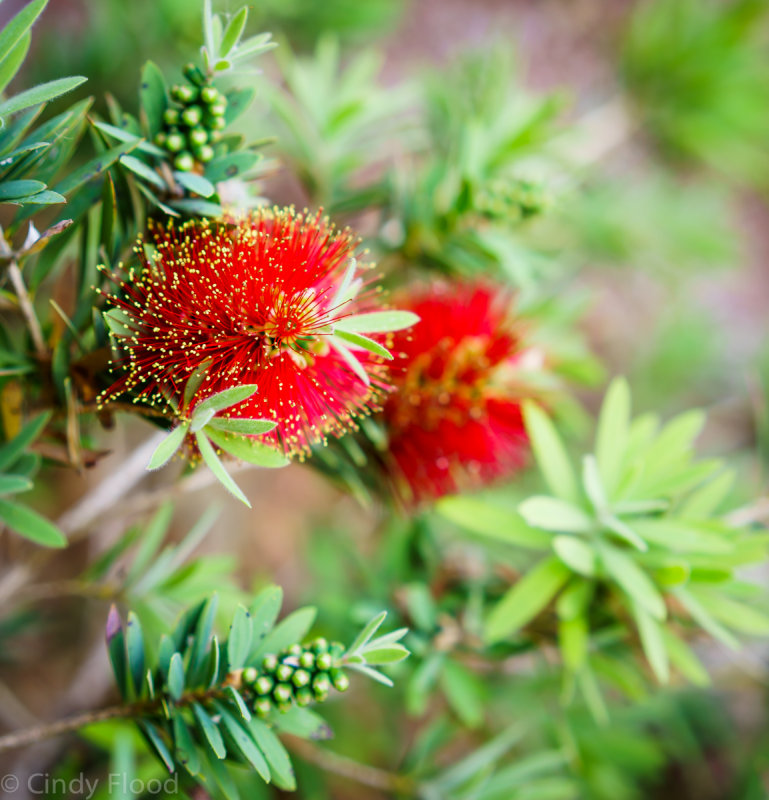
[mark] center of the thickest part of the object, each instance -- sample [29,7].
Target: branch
[363,774]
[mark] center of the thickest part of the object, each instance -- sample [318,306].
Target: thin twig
[363,774]
[27,309]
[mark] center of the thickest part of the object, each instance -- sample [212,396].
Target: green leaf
[249,450]
[44,198]
[153,96]
[150,542]
[369,629]
[209,730]
[12,450]
[576,554]
[483,518]
[166,449]
[575,600]
[292,629]
[138,167]
[9,190]
[225,399]
[195,183]
[116,649]
[186,751]
[684,659]
[248,427]
[304,723]
[525,599]
[550,453]
[31,525]
[553,514]
[233,31]
[706,500]
[464,693]
[232,165]
[124,136]
[377,322]
[196,668]
[573,640]
[735,615]
[39,94]
[18,27]
[350,359]
[704,619]
[215,465]
[652,642]
[264,611]
[386,655]
[134,642]
[239,703]
[176,676]
[95,167]
[13,484]
[612,435]
[276,755]
[364,343]
[241,736]
[155,739]
[10,64]
[633,580]
[240,638]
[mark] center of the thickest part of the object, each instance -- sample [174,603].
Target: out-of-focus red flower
[249,302]
[455,419]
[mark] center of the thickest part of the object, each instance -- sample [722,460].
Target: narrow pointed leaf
[216,466]
[377,322]
[166,449]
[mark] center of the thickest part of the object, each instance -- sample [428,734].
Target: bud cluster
[299,674]
[193,122]
[511,200]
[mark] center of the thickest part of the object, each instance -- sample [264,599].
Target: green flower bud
[171,116]
[321,683]
[174,142]
[323,661]
[340,680]
[301,678]
[218,109]
[269,663]
[160,139]
[284,672]
[262,707]
[307,660]
[264,685]
[304,697]
[197,137]
[214,136]
[208,94]
[294,650]
[320,645]
[184,162]
[193,74]
[284,707]
[336,650]
[192,115]
[204,153]
[182,93]
[216,123]
[249,675]
[282,693]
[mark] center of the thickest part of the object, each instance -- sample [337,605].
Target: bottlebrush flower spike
[271,300]
[455,419]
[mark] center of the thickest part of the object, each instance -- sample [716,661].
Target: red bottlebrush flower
[249,302]
[455,419]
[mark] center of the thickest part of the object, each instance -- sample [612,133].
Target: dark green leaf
[186,752]
[276,755]
[292,629]
[134,640]
[15,189]
[153,96]
[196,207]
[241,736]
[230,166]
[13,484]
[155,738]
[18,27]
[117,654]
[209,730]
[176,676]
[240,638]
[195,183]
[138,167]
[12,450]
[39,94]
[264,611]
